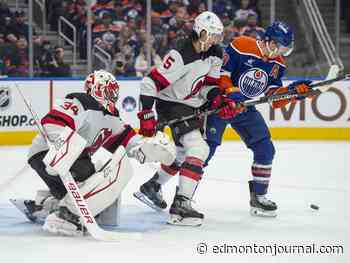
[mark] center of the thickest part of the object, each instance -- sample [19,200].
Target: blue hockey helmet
[282,35]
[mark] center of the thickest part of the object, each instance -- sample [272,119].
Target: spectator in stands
[252,29]
[202,7]
[229,29]
[121,67]
[2,37]
[55,10]
[244,10]
[103,7]
[18,27]
[141,65]
[192,8]
[159,6]
[5,15]
[118,15]
[225,6]
[56,67]
[159,33]
[16,58]
[21,58]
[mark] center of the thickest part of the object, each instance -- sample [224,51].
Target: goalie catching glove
[300,87]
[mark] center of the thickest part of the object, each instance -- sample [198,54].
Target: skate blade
[19,204]
[262,213]
[144,199]
[180,221]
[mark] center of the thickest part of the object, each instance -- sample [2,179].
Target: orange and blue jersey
[246,73]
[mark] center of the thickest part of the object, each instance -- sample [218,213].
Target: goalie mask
[103,87]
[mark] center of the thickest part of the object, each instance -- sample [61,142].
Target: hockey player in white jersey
[184,83]
[94,117]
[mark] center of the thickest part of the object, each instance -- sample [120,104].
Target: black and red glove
[228,108]
[148,123]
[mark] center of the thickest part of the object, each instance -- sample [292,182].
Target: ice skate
[182,213]
[64,222]
[151,194]
[260,205]
[29,209]
[36,210]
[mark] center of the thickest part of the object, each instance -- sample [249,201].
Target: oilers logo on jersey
[253,82]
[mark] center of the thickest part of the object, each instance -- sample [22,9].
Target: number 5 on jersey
[168,62]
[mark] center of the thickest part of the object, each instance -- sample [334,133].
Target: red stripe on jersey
[169,169]
[127,138]
[190,174]
[59,118]
[160,81]
[211,80]
[49,120]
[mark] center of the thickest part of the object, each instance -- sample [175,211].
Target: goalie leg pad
[102,189]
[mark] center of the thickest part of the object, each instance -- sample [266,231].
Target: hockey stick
[322,86]
[62,144]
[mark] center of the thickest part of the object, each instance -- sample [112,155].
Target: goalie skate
[30,210]
[65,223]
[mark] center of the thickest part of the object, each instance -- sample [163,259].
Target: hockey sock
[165,173]
[190,173]
[261,177]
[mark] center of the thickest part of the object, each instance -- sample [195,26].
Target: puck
[315,207]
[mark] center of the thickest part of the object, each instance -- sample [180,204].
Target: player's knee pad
[103,188]
[195,145]
[264,151]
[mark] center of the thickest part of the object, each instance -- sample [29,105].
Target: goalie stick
[62,145]
[321,86]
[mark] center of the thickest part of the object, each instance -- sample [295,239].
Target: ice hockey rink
[304,173]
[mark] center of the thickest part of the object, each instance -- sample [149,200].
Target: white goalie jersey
[83,114]
[185,75]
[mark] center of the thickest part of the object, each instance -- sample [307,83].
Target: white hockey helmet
[103,87]
[211,23]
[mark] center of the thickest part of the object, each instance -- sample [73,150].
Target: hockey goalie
[91,116]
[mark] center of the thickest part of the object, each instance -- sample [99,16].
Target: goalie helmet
[282,35]
[103,87]
[211,23]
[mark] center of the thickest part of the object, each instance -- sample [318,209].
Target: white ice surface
[303,173]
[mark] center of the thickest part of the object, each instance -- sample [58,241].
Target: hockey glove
[148,123]
[300,87]
[227,107]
